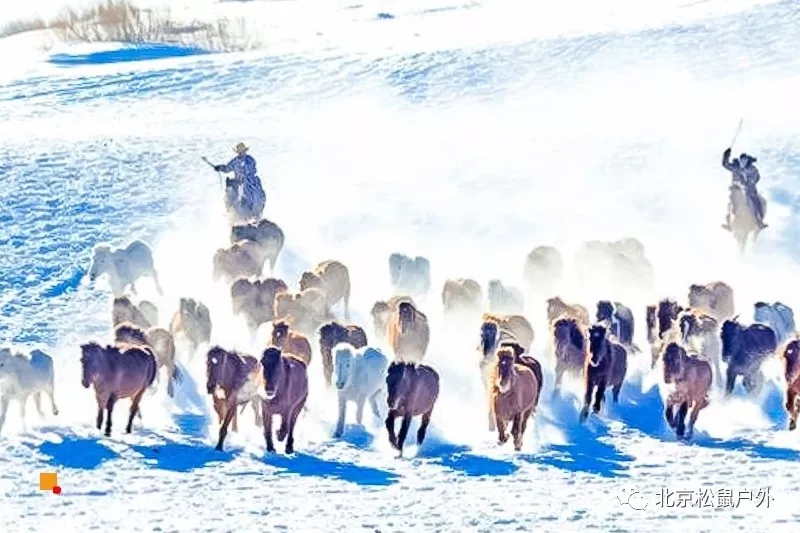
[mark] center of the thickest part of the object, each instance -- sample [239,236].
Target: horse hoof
[792,425]
[337,435]
[289,450]
[218,447]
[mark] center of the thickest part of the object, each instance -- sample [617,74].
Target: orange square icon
[48,480]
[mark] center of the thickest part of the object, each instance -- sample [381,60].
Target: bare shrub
[121,21]
[15,27]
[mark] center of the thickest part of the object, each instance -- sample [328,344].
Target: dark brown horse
[606,366]
[413,390]
[290,341]
[570,347]
[332,334]
[232,379]
[791,357]
[515,395]
[692,378]
[526,360]
[117,373]
[286,378]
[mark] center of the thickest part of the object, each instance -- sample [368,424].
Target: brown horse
[409,333]
[332,334]
[266,234]
[606,366]
[514,396]
[124,310]
[462,295]
[117,373]
[333,279]
[290,341]
[570,347]
[241,259]
[716,298]
[791,358]
[413,390]
[692,378]
[286,378]
[233,379]
[382,313]
[162,344]
[305,311]
[255,300]
[193,320]
[556,308]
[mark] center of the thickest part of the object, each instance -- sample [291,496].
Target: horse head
[729,334]
[407,314]
[505,366]
[216,360]
[331,334]
[101,261]
[310,280]
[597,344]
[271,362]
[343,361]
[395,382]
[489,332]
[280,330]
[673,359]
[605,310]
[91,354]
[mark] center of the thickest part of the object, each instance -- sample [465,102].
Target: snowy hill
[466,133]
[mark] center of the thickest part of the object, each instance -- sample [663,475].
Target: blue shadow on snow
[192,425]
[459,459]
[309,466]
[585,450]
[357,436]
[143,52]
[182,457]
[76,452]
[756,450]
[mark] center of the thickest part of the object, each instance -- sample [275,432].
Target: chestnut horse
[570,347]
[409,333]
[791,356]
[692,378]
[286,378]
[514,395]
[606,366]
[117,372]
[332,334]
[233,379]
[290,341]
[412,391]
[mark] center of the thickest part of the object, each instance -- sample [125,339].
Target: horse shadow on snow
[75,451]
[305,465]
[644,412]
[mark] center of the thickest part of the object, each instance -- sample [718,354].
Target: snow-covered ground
[465,132]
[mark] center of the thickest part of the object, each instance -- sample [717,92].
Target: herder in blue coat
[251,197]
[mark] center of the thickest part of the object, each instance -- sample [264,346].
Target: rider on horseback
[745,174]
[245,180]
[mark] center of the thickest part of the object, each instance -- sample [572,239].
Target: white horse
[124,266]
[21,377]
[360,375]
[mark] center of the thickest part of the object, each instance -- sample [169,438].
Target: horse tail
[152,370]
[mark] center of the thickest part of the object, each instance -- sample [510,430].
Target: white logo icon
[632,497]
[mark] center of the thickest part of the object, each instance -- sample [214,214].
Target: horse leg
[23,401]
[492,417]
[346,301]
[730,379]
[390,416]
[680,428]
[327,368]
[3,410]
[342,412]
[37,400]
[516,425]
[526,415]
[290,434]
[669,413]
[615,392]
[423,427]
[360,411]
[374,405]
[502,436]
[401,437]
[110,412]
[100,408]
[51,394]
[235,419]
[134,409]
[266,413]
[791,407]
[256,405]
[587,400]
[223,429]
[599,396]
[154,275]
[698,406]
[559,377]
